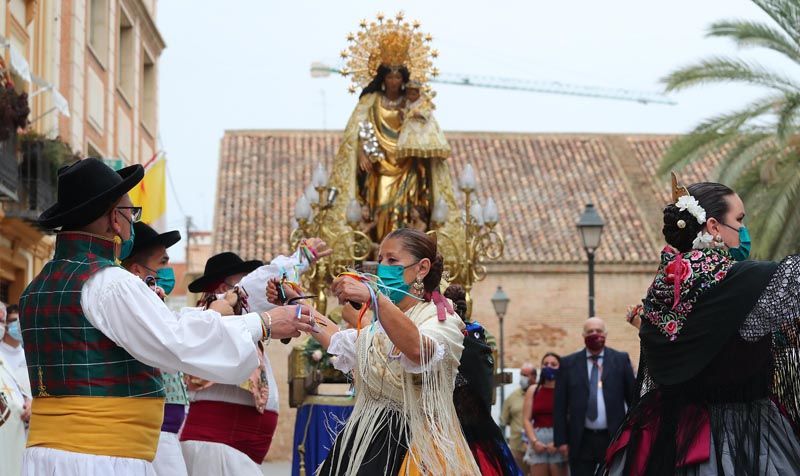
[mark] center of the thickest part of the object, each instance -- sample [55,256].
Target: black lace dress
[719,387]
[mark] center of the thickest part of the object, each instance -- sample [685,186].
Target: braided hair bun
[681,227]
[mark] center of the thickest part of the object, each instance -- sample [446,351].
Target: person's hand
[538,447]
[222,307]
[363,161]
[564,450]
[551,449]
[345,288]
[26,411]
[272,292]
[285,323]
[321,249]
[633,316]
[160,292]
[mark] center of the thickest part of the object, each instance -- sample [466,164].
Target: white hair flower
[688,202]
[316,355]
[704,240]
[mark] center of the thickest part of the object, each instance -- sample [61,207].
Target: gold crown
[391,42]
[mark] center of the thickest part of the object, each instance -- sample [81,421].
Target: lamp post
[500,302]
[481,241]
[590,225]
[313,220]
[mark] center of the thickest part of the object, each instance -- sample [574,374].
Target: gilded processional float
[391,171]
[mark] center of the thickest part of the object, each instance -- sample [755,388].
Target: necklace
[391,103]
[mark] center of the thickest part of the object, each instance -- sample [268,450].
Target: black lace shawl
[736,357]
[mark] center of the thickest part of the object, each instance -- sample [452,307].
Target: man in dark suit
[592,390]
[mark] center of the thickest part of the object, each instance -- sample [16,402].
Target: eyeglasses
[136,213]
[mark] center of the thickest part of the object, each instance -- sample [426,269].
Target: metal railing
[9,165]
[37,182]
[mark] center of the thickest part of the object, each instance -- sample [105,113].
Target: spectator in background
[512,414]
[14,413]
[13,354]
[592,389]
[542,454]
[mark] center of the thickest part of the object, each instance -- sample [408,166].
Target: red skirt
[238,426]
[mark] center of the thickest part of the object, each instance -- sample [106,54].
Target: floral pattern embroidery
[680,281]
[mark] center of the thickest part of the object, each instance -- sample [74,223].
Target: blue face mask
[549,373]
[165,279]
[742,252]
[127,245]
[392,283]
[14,331]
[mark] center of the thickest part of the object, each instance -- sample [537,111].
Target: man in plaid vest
[95,336]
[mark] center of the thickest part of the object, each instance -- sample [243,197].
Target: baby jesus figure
[420,136]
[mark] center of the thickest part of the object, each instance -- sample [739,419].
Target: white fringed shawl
[421,395]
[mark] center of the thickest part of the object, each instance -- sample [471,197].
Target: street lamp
[500,302]
[590,225]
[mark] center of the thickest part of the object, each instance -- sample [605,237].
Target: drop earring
[419,288]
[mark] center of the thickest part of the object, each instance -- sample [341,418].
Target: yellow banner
[151,192]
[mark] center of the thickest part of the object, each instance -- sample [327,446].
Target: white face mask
[524,381]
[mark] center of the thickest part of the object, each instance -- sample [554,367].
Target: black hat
[146,238]
[221,266]
[86,190]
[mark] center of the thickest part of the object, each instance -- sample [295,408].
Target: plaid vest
[66,355]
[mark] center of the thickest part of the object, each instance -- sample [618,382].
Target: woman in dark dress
[472,396]
[719,375]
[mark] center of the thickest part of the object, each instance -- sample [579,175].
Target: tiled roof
[540,182]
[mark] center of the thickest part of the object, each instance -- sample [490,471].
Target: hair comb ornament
[678,191]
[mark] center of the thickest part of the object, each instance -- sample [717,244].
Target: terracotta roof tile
[540,182]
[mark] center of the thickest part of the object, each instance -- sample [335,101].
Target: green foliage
[759,143]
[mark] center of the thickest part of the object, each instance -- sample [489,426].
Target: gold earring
[419,288]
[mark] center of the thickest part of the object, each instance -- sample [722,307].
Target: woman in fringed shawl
[404,366]
[719,376]
[473,396]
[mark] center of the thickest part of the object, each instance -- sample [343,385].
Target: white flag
[20,64]
[60,102]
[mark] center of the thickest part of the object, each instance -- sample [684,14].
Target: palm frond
[727,70]
[783,195]
[786,13]
[744,154]
[787,116]
[713,134]
[756,34]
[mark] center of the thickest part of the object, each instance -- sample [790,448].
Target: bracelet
[269,328]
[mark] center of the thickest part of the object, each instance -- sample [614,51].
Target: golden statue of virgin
[386,60]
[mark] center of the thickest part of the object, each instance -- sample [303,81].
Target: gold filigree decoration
[392,42]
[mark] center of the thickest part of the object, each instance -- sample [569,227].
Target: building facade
[90,69]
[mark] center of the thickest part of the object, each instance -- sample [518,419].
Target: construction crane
[321,70]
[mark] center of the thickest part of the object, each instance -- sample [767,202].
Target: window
[125,58]
[149,93]
[98,29]
[91,151]
[5,290]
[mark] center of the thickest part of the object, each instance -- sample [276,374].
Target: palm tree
[759,142]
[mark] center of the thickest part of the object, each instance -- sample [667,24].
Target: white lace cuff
[343,346]
[413,368]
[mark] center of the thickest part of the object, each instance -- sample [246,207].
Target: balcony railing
[9,168]
[37,182]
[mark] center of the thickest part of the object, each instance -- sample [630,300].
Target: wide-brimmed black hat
[146,238]
[86,190]
[221,266]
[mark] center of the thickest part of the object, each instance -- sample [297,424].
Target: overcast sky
[245,65]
